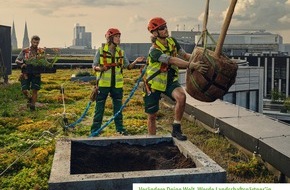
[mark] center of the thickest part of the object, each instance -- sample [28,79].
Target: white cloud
[263,14]
[50,7]
[53,20]
[136,18]
[285,19]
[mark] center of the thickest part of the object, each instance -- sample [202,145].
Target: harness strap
[110,65]
[120,57]
[105,57]
[153,76]
[114,64]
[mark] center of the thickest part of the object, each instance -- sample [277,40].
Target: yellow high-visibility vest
[106,59]
[160,81]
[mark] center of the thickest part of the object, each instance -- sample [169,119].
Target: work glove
[199,66]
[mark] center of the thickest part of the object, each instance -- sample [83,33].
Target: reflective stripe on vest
[160,81]
[106,59]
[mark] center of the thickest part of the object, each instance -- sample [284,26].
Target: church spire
[13,38]
[25,37]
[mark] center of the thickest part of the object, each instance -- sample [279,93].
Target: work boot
[29,100]
[176,132]
[123,132]
[32,107]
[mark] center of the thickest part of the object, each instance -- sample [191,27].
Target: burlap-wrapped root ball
[213,85]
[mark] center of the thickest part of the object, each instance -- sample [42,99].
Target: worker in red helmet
[165,58]
[109,62]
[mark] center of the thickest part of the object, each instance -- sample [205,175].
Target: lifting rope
[221,72]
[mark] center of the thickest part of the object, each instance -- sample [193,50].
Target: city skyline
[54,21]
[81,38]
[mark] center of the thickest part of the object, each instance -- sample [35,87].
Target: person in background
[30,81]
[165,58]
[109,62]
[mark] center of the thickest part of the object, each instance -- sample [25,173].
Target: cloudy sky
[53,20]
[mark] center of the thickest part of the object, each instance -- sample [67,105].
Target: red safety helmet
[155,23]
[112,32]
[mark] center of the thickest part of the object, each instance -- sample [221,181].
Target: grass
[27,138]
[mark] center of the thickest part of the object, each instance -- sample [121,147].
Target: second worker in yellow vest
[109,62]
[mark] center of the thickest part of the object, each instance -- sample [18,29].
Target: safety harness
[164,67]
[113,62]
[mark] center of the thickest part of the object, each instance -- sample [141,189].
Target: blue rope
[95,133]
[81,118]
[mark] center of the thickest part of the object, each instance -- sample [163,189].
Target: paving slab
[258,133]
[208,113]
[277,152]
[246,131]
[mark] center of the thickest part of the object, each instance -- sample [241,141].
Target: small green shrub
[277,96]
[287,104]
[248,169]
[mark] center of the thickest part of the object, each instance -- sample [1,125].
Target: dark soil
[121,157]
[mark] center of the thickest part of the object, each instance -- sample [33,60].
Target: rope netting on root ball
[222,71]
[216,82]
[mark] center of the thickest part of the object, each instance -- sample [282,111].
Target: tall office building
[13,38]
[25,37]
[82,39]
